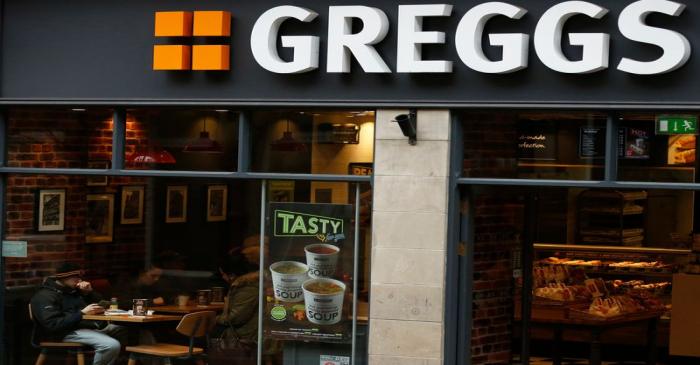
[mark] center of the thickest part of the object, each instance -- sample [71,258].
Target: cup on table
[182,300]
[203,297]
[140,307]
[217,294]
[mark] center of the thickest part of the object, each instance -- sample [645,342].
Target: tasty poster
[633,143]
[309,276]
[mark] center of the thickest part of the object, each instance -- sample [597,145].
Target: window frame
[461,239]
[117,168]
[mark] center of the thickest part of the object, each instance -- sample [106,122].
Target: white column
[409,241]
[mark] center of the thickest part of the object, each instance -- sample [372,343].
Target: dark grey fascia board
[580,184]
[187,174]
[427,104]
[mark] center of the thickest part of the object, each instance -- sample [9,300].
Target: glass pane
[59,138]
[649,154]
[310,279]
[177,243]
[534,145]
[176,246]
[313,142]
[179,139]
[599,255]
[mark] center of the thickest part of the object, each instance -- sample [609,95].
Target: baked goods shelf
[613,211]
[627,196]
[615,249]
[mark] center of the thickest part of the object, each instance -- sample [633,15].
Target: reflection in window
[173,139]
[312,142]
[59,138]
[648,153]
[599,254]
[534,145]
[178,245]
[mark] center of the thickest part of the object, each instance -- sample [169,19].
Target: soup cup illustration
[287,277]
[322,260]
[323,300]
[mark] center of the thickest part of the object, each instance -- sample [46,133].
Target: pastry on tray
[614,306]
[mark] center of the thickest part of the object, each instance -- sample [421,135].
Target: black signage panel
[87,50]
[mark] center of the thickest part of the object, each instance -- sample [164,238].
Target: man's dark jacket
[57,310]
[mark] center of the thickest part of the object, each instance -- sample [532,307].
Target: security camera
[408,124]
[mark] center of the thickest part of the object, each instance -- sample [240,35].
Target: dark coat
[240,317]
[57,310]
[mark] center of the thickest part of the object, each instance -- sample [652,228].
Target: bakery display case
[622,294]
[610,280]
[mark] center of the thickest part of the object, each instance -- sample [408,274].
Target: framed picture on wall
[100,218]
[176,204]
[132,205]
[280,191]
[216,203]
[98,180]
[51,210]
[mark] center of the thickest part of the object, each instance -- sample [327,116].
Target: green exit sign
[677,124]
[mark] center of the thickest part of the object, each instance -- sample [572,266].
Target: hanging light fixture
[150,155]
[288,143]
[204,144]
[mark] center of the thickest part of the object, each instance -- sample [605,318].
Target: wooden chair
[45,346]
[193,325]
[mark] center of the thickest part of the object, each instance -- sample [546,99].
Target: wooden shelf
[589,166]
[620,249]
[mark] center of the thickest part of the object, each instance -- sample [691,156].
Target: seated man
[58,308]
[143,286]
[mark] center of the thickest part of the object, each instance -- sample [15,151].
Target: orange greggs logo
[188,24]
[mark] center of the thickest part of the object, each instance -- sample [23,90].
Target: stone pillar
[409,241]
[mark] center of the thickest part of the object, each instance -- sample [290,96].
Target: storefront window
[175,139]
[312,142]
[534,145]
[657,147]
[59,138]
[310,290]
[179,245]
[605,266]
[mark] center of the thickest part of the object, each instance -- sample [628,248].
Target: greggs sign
[343,43]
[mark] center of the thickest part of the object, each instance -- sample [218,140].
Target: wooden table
[596,328]
[216,307]
[132,319]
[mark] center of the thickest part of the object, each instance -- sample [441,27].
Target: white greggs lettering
[343,44]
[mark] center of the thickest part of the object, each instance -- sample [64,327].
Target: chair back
[197,324]
[33,337]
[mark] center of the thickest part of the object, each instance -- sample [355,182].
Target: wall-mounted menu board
[591,142]
[537,140]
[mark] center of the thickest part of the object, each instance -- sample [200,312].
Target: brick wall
[54,139]
[490,145]
[490,151]
[498,225]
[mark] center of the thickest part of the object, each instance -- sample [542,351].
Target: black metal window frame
[461,239]
[117,168]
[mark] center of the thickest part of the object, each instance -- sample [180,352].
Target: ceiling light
[204,144]
[287,142]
